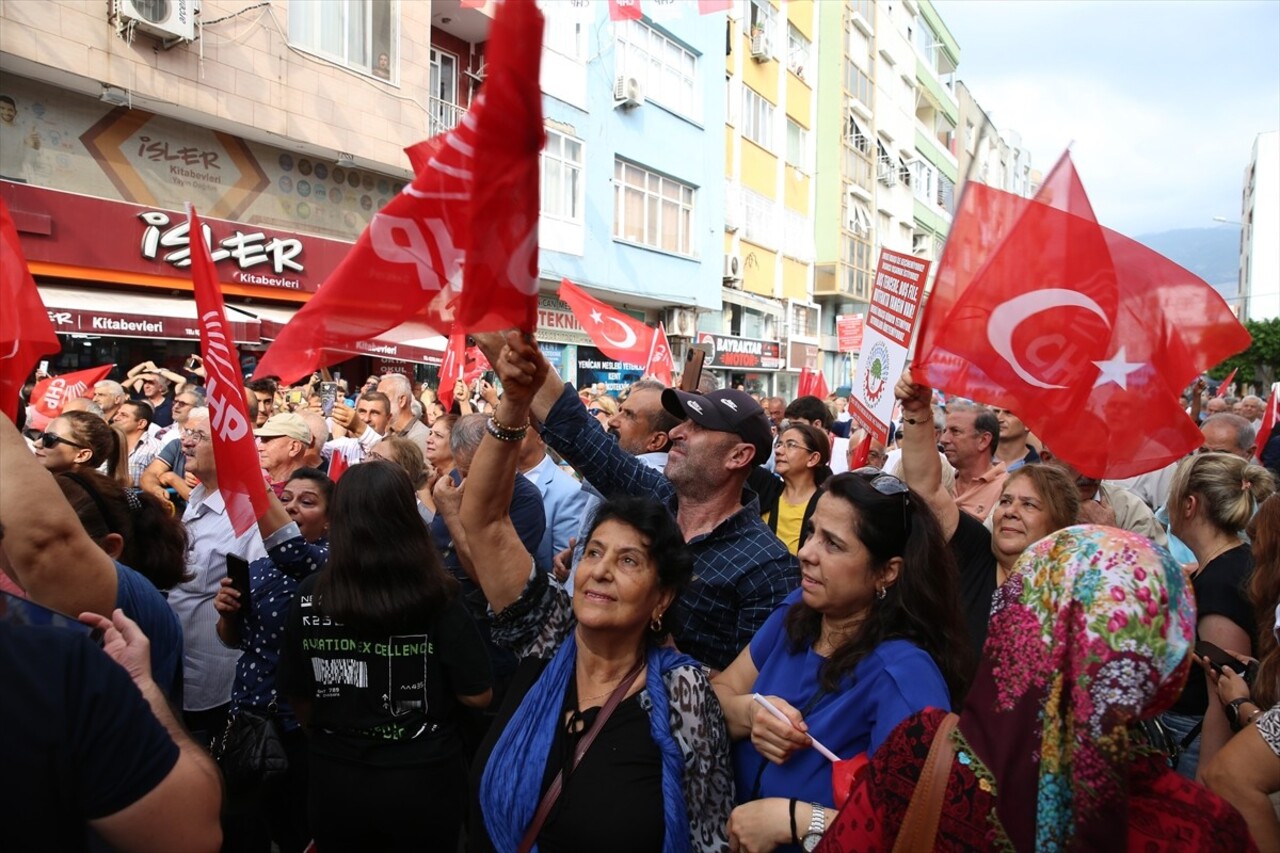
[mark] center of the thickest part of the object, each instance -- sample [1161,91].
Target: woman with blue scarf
[657,773]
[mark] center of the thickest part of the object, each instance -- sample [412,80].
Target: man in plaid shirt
[742,571]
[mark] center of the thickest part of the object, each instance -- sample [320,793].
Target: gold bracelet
[500,425]
[505,433]
[913,421]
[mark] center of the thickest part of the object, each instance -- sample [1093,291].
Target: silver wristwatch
[817,826]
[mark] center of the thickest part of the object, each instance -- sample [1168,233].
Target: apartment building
[1259,225]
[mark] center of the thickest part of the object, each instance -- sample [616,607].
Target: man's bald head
[1228,433]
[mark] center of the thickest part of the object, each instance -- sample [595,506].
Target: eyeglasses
[887,485]
[195,435]
[594,411]
[793,445]
[50,440]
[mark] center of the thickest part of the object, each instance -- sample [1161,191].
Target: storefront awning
[411,342]
[104,313]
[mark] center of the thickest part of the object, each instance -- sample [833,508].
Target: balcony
[442,116]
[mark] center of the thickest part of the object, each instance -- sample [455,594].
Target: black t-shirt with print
[382,700]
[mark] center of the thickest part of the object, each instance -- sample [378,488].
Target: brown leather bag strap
[920,825]
[553,792]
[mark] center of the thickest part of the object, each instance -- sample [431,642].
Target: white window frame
[760,13]
[799,52]
[306,32]
[760,219]
[566,30]
[757,118]
[797,145]
[572,192]
[653,192]
[666,69]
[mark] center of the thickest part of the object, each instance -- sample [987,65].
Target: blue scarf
[511,785]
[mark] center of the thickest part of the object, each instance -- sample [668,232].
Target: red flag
[660,364]
[615,334]
[51,394]
[239,472]
[409,262]
[812,384]
[1089,336]
[861,454]
[706,7]
[625,10]
[1226,383]
[820,389]
[25,330]
[451,367]
[337,465]
[1269,420]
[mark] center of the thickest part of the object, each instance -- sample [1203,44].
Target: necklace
[1215,555]
[583,701]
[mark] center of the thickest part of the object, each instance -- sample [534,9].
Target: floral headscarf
[1091,633]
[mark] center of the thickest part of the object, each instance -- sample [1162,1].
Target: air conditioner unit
[733,270]
[761,49]
[920,244]
[164,19]
[627,92]
[681,322]
[887,171]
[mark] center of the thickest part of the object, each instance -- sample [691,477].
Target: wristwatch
[1232,710]
[817,826]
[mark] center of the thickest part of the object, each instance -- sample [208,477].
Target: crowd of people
[521,615]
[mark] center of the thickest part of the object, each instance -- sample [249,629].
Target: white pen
[769,706]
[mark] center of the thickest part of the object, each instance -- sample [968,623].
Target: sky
[1160,100]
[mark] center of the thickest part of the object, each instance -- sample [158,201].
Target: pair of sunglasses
[49,440]
[887,485]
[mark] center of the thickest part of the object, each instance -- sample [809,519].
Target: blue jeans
[1180,725]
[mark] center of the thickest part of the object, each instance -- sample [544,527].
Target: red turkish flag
[615,334]
[1088,336]
[458,248]
[239,472]
[625,10]
[1269,420]
[1226,383]
[51,394]
[25,330]
[660,365]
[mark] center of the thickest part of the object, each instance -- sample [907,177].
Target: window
[667,70]
[799,49]
[651,209]
[565,30]
[804,320]
[360,34]
[797,146]
[857,136]
[759,18]
[757,118]
[443,110]
[562,177]
[857,83]
[761,222]
[797,235]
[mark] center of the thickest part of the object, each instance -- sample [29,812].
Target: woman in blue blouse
[873,635]
[295,531]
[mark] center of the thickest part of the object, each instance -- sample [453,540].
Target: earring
[881,592]
[655,624]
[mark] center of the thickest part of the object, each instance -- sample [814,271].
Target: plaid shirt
[145,451]
[742,572]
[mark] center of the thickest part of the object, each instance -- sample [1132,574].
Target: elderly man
[399,392]
[133,417]
[283,441]
[742,572]
[1251,409]
[168,469]
[208,667]
[1227,433]
[109,395]
[1102,503]
[969,442]
[151,383]
[642,423]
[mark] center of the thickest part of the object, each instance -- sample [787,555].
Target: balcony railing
[443,116]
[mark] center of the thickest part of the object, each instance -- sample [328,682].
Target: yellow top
[790,521]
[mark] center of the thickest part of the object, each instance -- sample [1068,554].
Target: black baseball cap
[727,410]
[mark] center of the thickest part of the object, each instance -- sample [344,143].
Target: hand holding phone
[328,397]
[238,573]
[1220,659]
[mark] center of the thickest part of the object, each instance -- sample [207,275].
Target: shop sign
[247,251]
[557,323]
[596,367]
[802,355]
[734,353]
[72,321]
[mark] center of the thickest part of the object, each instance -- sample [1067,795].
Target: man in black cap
[742,571]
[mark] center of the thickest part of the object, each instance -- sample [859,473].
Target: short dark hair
[377,397]
[263,386]
[384,574]
[815,441]
[141,409]
[922,605]
[317,478]
[811,409]
[663,539]
[660,420]
[5,99]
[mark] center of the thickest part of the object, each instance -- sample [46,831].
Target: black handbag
[251,754]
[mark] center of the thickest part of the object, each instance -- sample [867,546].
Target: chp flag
[1088,336]
[660,366]
[25,330]
[891,320]
[52,393]
[239,474]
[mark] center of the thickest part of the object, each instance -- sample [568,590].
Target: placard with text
[891,320]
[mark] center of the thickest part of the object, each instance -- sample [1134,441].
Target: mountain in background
[1212,253]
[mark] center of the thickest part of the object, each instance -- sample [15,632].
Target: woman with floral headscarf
[1091,634]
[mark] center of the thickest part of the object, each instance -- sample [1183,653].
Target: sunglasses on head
[887,485]
[49,440]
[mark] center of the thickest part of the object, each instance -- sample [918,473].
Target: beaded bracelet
[505,433]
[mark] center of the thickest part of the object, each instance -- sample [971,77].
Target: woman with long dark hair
[873,635]
[378,653]
[657,775]
[802,463]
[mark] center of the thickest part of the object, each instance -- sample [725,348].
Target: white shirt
[208,667]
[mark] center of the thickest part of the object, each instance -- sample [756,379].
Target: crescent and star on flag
[629,335]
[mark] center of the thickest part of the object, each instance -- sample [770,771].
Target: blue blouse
[897,679]
[273,583]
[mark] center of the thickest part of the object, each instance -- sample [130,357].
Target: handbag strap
[920,825]
[557,785]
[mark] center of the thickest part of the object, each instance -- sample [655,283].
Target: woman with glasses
[439,458]
[873,635]
[79,441]
[802,463]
